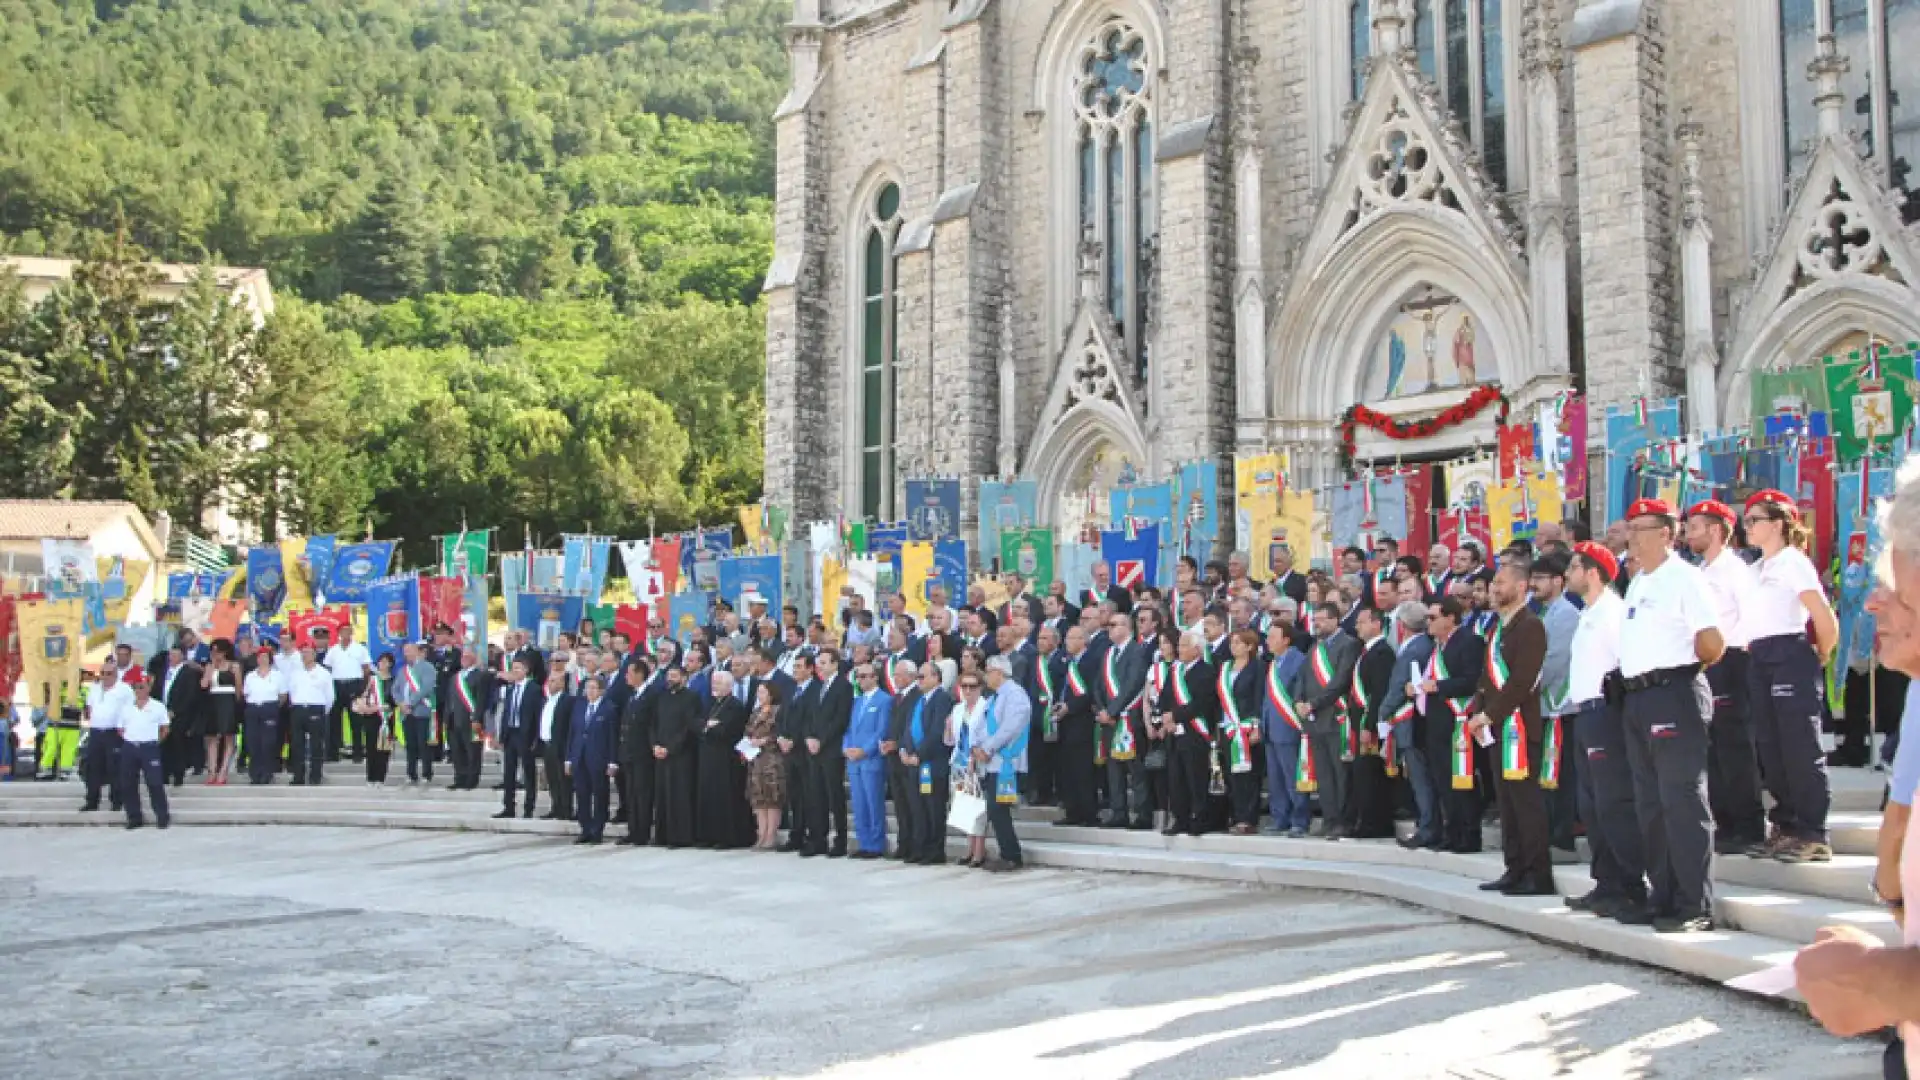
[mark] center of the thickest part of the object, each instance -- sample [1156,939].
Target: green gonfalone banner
[1029,553]
[463,553]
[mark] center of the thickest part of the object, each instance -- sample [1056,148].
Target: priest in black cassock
[676,744]
[723,820]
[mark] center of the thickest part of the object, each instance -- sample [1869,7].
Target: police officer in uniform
[1670,636]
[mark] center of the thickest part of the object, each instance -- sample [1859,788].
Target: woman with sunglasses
[1784,679]
[968,723]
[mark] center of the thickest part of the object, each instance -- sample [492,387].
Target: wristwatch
[1883,901]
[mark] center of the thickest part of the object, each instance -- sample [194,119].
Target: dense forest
[516,249]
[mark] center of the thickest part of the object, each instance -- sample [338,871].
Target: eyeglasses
[1756,519]
[969,686]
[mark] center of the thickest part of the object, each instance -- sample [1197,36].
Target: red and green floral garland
[1474,403]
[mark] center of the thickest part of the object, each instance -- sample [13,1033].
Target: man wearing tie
[927,751]
[518,730]
[903,780]
[635,752]
[1117,692]
[590,762]
[1076,707]
[556,721]
[796,720]
[1324,683]
[465,714]
[827,772]
[866,771]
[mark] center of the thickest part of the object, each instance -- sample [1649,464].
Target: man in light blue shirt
[1003,754]
[866,770]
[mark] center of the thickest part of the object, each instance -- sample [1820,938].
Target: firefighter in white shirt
[143,725]
[100,768]
[1733,773]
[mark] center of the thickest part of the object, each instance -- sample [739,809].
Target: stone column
[798,436]
[1696,285]
[1249,277]
[1546,206]
[1621,144]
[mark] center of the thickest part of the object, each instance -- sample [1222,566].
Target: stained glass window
[1359,44]
[1881,98]
[879,348]
[1112,94]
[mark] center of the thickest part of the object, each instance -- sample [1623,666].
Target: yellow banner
[1291,528]
[1256,500]
[299,578]
[750,518]
[995,589]
[916,566]
[1512,515]
[51,647]
[833,578]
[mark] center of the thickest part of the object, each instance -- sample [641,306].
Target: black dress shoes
[1499,884]
[1531,886]
[504,815]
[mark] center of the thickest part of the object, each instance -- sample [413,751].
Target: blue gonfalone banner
[319,556]
[1005,504]
[266,580]
[393,615]
[685,611]
[950,566]
[585,559]
[1196,503]
[1628,433]
[699,552]
[744,574]
[1135,560]
[355,568]
[547,615]
[933,509]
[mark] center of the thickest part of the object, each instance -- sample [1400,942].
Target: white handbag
[967,811]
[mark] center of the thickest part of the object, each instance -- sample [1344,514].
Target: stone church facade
[1065,239]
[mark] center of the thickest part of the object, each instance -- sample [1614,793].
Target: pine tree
[388,250]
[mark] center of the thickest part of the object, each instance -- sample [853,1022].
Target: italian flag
[1513,749]
[1240,746]
[1462,756]
[1550,755]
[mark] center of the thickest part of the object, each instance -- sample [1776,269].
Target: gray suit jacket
[1130,667]
[1323,701]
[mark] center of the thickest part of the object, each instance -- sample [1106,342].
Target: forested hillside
[517,245]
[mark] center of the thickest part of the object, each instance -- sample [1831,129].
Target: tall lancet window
[879,347]
[1461,46]
[1881,88]
[1113,94]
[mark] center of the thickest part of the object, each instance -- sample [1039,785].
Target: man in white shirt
[1605,781]
[350,665]
[1670,637]
[264,698]
[556,725]
[143,724]
[101,766]
[1733,767]
[310,695]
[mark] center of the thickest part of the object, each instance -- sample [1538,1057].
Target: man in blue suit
[590,761]
[866,770]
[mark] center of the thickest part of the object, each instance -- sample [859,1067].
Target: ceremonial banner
[856,539]
[916,572]
[1858,531]
[513,581]
[301,624]
[1469,481]
[393,615]
[179,586]
[1515,509]
[993,593]
[266,585]
[585,561]
[1560,442]
[1870,398]
[1029,553]
[1004,504]
[464,553]
[823,541]
[1134,559]
[1146,504]
[1293,528]
[51,647]
[225,620]
[1366,511]
[120,581]
[686,612]
[698,550]
[69,566]
[1074,565]
[1256,500]
[1798,391]
[1814,491]
[666,559]
[319,558]
[547,615]
[743,574]
[884,543]
[1419,482]
[752,524]
[546,571]
[599,615]
[146,641]
[1196,502]
[473,612]
[833,578]
[355,567]
[933,509]
[267,634]
[634,620]
[299,578]
[196,614]
[863,577]
[1516,449]
[1460,524]
[442,600]
[1630,430]
[950,566]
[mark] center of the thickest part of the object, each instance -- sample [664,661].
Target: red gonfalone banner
[442,600]
[301,624]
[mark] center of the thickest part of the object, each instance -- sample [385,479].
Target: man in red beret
[1733,769]
[1670,637]
[1605,780]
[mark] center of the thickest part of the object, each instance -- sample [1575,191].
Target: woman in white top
[1784,679]
[968,722]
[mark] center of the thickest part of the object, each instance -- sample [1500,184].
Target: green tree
[387,252]
[211,421]
[35,439]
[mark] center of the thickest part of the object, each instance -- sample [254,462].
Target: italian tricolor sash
[886,674]
[413,686]
[1238,730]
[1076,682]
[1437,671]
[466,695]
[1550,755]
[1281,700]
[1357,717]
[1434,582]
[1110,672]
[1049,726]
[1513,733]
[1304,778]
[1322,665]
[1462,755]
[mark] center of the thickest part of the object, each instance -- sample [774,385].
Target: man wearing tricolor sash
[1447,686]
[1079,734]
[1189,698]
[1117,694]
[1370,808]
[1510,713]
[1399,711]
[1044,678]
[1239,683]
[472,689]
[1290,777]
[1321,690]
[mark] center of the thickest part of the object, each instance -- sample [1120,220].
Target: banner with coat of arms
[393,615]
[1133,555]
[1871,398]
[266,581]
[464,553]
[1256,499]
[933,509]
[1029,553]
[355,568]
[51,647]
[1004,504]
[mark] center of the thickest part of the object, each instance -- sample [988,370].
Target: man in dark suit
[796,719]
[1322,687]
[591,761]
[635,720]
[472,690]
[1510,712]
[926,751]
[1191,700]
[1449,682]
[519,730]
[178,687]
[521,649]
[1370,809]
[1105,588]
[827,767]
[903,780]
[1024,602]
[1046,670]
[766,670]
[1123,679]
[1059,612]
[1075,710]
[554,733]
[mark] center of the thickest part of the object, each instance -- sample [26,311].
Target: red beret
[1714,508]
[1778,498]
[1599,556]
[1644,507]
[135,676]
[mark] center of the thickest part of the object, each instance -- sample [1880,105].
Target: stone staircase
[1769,908]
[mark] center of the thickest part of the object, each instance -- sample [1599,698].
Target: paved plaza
[306,952]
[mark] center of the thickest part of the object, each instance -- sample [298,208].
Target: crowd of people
[1643,691]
